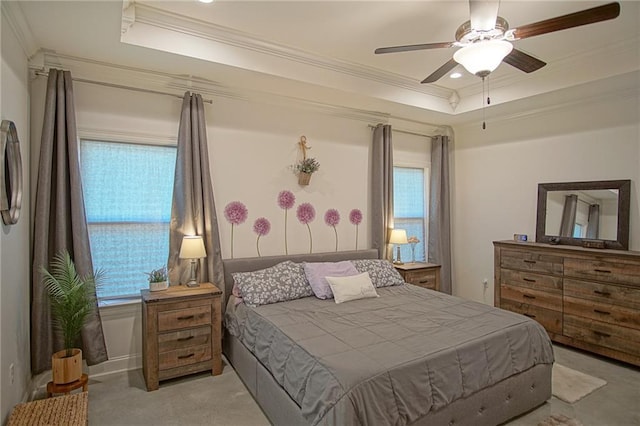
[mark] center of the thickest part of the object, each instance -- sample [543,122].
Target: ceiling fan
[485,40]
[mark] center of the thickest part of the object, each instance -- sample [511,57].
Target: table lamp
[192,248]
[398,236]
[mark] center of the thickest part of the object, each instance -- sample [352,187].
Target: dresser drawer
[184,356]
[184,318]
[602,270]
[426,279]
[184,339]
[622,339]
[539,298]
[531,261]
[605,312]
[551,320]
[603,293]
[549,283]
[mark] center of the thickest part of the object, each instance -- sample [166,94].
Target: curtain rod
[120,86]
[408,132]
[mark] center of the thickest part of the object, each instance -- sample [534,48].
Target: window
[409,209]
[127,193]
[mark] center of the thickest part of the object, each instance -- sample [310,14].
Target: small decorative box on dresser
[586,298]
[181,332]
[422,274]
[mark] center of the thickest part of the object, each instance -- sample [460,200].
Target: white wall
[14,239]
[496,173]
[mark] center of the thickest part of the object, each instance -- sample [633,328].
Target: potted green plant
[158,279]
[72,299]
[304,169]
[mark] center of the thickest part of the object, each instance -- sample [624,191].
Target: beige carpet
[571,385]
[559,420]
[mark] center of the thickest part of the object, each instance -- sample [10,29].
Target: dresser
[181,332]
[422,274]
[586,298]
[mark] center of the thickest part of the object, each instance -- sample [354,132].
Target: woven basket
[304,178]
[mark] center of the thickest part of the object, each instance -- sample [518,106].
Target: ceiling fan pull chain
[484,123]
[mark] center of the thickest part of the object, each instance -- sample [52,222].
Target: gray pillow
[279,283]
[381,272]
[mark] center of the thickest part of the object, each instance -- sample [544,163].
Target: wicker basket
[304,178]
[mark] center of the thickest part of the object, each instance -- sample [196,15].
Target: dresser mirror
[573,212]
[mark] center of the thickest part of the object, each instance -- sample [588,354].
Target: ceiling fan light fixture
[483,57]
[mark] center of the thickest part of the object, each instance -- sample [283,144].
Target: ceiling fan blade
[410,47]
[483,14]
[523,61]
[572,20]
[435,76]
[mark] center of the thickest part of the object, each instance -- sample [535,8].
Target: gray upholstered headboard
[255,263]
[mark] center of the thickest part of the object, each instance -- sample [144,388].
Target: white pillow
[353,287]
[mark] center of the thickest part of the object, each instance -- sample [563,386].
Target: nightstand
[422,274]
[181,332]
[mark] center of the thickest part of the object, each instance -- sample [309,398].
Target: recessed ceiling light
[455,75]
[205,1]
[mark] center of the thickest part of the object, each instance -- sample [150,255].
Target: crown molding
[19,26]
[149,15]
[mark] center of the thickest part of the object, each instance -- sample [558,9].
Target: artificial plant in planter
[304,169]
[72,300]
[158,279]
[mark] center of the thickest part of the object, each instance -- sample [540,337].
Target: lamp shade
[398,236]
[192,248]
[482,57]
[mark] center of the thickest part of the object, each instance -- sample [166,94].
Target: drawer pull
[529,315]
[186,356]
[187,317]
[598,311]
[603,271]
[528,296]
[529,280]
[602,293]
[184,339]
[423,281]
[529,261]
[600,333]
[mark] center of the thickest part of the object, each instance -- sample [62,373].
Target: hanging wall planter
[305,167]
[304,178]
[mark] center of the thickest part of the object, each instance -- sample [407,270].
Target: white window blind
[127,193]
[409,208]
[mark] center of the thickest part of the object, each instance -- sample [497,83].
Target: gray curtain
[382,189]
[193,211]
[439,211]
[60,223]
[569,215]
[593,226]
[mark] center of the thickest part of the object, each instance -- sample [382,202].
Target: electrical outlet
[11,373]
[485,282]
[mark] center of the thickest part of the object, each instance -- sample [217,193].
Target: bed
[410,356]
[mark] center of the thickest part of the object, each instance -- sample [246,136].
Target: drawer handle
[603,271]
[529,315]
[424,281]
[184,339]
[186,356]
[187,317]
[602,293]
[600,333]
[529,280]
[529,261]
[598,311]
[528,296]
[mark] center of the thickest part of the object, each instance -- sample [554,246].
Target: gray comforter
[388,360]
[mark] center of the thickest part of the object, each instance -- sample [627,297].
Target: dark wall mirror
[572,212]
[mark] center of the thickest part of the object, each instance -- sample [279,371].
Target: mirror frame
[624,201]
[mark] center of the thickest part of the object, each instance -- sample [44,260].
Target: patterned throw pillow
[279,283]
[381,272]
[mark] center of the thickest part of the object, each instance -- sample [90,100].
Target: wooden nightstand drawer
[185,356]
[426,275]
[183,318]
[183,339]
[426,279]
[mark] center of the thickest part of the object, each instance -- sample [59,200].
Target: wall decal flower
[236,213]
[332,218]
[355,217]
[306,213]
[261,226]
[286,200]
